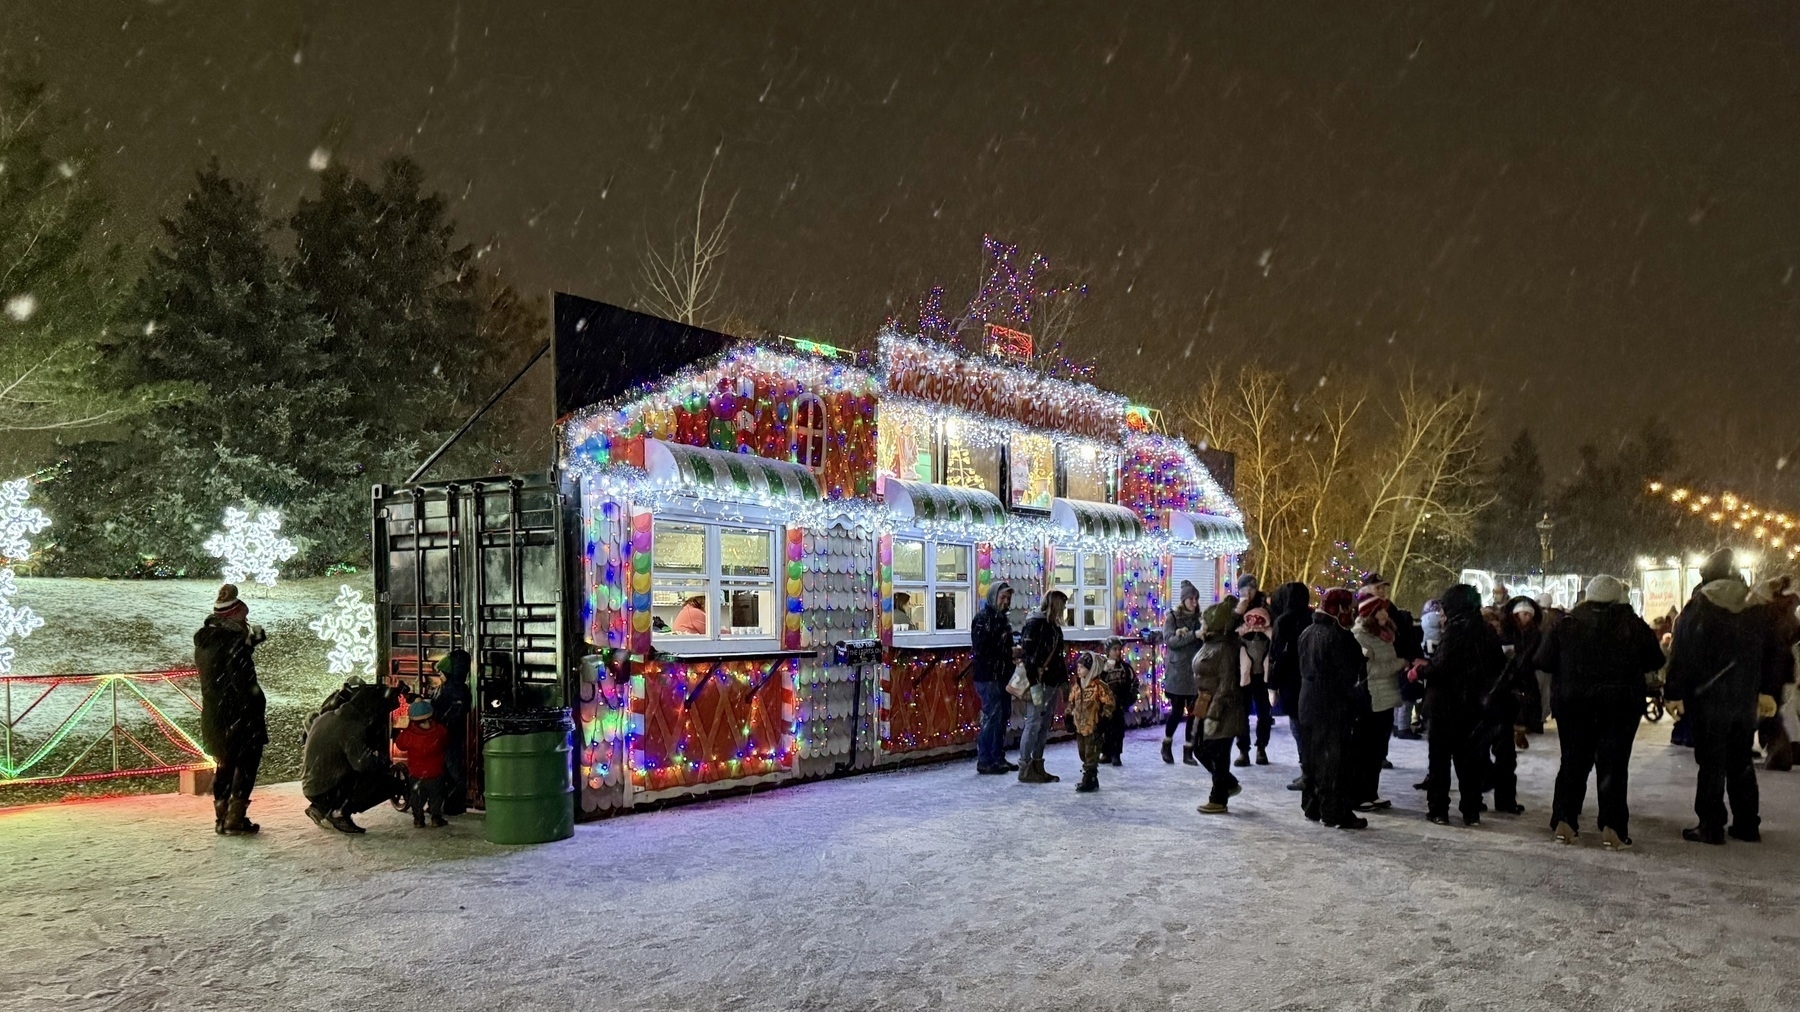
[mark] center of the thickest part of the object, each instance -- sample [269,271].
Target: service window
[1087,578]
[933,586]
[712,582]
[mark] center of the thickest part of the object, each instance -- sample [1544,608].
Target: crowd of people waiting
[1353,670]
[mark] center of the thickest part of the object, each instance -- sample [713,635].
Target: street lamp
[1545,527]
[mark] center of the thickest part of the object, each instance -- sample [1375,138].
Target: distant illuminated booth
[740,509]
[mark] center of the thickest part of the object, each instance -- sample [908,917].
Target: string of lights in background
[1770,529]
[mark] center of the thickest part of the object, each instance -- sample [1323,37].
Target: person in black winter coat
[1293,613]
[1597,658]
[1331,666]
[1047,669]
[233,711]
[451,708]
[1724,671]
[991,639]
[1465,670]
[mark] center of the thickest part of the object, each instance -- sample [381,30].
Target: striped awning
[1095,519]
[1206,529]
[927,503]
[736,474]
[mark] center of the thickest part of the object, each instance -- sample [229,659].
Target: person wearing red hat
[1331,665]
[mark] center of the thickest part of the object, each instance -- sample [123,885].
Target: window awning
[926,502]
[735,474]
[1206,529]
[1095,519]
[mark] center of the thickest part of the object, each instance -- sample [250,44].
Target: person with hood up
[1724,671]
[452,705]
[1090,704]
[1331,667]
[1375,722]
[1218,677]
[1409,718]
[1293,611]
[1597,658]
[1467,667]
[1181,637]
[1047,669]
[991,636]
[1253,659]
[233,710]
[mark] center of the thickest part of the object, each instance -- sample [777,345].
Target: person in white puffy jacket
[1369,735]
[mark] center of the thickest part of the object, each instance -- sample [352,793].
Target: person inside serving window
[691,620]
[903,616]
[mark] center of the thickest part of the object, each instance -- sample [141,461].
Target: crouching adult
[344,769]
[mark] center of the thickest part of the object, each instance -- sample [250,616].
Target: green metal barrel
[530,796]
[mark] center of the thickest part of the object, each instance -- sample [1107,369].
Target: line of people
[1356,670]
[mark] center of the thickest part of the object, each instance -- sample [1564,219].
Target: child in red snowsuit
[423,742]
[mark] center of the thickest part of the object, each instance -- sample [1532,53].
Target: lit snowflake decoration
[17,523]
[350,628]
[251,548]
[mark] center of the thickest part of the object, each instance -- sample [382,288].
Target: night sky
[1594,209]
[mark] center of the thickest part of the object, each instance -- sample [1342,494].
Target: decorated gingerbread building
[747,507]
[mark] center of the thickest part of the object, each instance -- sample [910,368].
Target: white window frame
[1072,628]
[928,589]
[716,584]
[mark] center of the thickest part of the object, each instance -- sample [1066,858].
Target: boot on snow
[1090,780]
[1187,756]
[340,821]
[220,813]
[1262,756]
[1243,758]
[237,823]
[1168,751]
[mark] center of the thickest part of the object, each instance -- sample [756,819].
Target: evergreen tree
[1507,539]
[1604,518]
[273,427]
[58,281]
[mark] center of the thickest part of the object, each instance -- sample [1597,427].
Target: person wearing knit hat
[1181,640]
[1331,665]
[1373,723]
[1290,617]
[1253,652]
[1597,658]
[233,710]
[1724,675]
[423,741]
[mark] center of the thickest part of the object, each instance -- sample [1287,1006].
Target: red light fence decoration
[63,729]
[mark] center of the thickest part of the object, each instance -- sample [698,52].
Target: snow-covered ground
[928,888]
